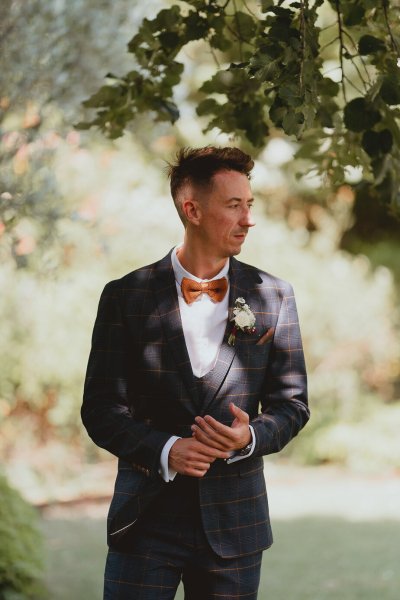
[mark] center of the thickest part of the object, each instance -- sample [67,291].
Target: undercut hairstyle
[197,166]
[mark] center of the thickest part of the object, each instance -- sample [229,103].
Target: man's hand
[214,434]
[189,456]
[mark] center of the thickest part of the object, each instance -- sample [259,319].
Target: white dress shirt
[203,324]
[203,321]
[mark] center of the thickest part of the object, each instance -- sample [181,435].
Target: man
[196,372]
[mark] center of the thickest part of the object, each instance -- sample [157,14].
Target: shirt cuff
[236,457]
[166,473]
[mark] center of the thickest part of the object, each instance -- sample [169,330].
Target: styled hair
[197,166]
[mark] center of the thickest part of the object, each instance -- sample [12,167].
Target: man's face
[225,214]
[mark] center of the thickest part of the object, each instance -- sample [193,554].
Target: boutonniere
[243,320]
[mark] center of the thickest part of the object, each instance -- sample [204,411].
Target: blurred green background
[77,210]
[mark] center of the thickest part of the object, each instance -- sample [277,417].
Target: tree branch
[385,4]
[325,46]
[304,6]
[249,10]
[238,28]
[341,47]
[352,84]
[361,59]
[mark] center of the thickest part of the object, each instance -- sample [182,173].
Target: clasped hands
[210,440]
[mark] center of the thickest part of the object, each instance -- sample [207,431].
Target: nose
[247,219]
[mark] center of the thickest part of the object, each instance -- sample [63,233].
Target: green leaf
[377,142]
[266,5]
[218,83]
[353,14]
[368,44]
[167,111]
[390,91]
[197,26]
[250,119]
[105,96]
[167,19]
[325,113]
[234,82]
[169,40]
[359,115]
[277,111]
[281,31]
[245,25]
[282,12]
[308,149]
[220,42]
[264,68]
[207,107]
[289,93]
[83,125]
[327,87]
[292,122]
[173,72]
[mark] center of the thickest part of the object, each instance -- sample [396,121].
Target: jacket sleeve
[284,403]
[105,410]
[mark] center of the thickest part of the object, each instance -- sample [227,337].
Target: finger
[206,452]
[199,465]
[195,472]
[198,470]
[210,431]
[214,453]
[223,430]
[237,412]
[207,440]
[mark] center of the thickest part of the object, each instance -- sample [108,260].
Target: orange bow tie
[216,289]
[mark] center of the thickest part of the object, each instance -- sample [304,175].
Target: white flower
[243,320]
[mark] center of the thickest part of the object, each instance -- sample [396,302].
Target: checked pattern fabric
[140,390]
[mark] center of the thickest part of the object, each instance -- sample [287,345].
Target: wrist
[249,439]
[245,449]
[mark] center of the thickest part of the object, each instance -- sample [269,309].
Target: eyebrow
[239,199]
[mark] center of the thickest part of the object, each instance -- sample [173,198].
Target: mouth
[240,236]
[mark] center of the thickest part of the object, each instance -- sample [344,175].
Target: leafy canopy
[334,88]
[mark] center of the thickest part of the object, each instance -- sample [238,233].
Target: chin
[235,251]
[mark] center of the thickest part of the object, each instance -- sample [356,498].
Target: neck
[196,261]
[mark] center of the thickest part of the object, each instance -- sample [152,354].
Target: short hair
[198,166]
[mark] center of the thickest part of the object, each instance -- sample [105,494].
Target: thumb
[238,412]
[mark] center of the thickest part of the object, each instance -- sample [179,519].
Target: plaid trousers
[170,545]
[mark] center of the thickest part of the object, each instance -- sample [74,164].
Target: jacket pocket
[127,507]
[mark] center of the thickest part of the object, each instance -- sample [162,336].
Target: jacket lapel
[242,284]
[164,288]
[247,285]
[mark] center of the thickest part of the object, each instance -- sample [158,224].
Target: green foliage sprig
[271,74]
[21,564]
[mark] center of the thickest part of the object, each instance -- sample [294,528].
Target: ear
[192,211]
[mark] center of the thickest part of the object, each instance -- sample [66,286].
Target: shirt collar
[180,272]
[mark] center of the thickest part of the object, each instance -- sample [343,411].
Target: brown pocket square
[267,337]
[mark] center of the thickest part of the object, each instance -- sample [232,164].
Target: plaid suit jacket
[140,389]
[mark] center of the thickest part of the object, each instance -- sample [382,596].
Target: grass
[311,559]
